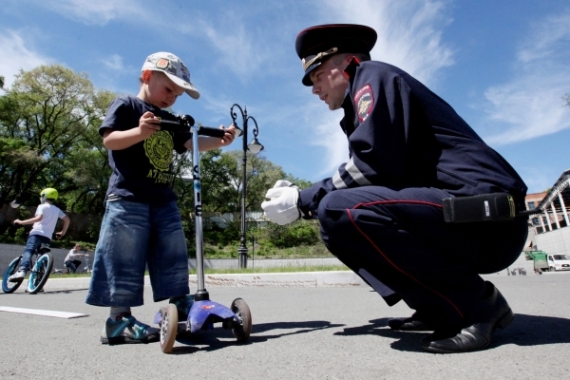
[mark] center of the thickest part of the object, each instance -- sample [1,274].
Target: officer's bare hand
[229,136]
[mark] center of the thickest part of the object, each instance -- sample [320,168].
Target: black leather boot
[413,323]
[489,313]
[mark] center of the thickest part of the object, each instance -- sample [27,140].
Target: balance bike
[39,274]
[189,314]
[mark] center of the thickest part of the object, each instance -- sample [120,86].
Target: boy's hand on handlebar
[59,235]
[229,136]
[18,221]
[148,124]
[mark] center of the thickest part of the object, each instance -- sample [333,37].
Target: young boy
[142,226]
[44,223]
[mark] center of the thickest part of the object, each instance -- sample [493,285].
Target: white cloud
[114,62]
[546,40]
[98,12]
[409,36]
[530,105]
[236,48]
[409,32]
[17,55]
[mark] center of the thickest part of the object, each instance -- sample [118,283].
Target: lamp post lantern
[254,147]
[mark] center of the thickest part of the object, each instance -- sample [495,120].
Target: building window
[531,205]
[535,222]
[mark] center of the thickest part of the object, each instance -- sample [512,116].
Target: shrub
[300,233]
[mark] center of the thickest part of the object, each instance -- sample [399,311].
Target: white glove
[281,208]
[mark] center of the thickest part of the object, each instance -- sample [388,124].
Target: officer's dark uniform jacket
[402,135]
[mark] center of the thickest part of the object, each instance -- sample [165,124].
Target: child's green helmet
[49,193]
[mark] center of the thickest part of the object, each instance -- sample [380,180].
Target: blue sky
[503,65]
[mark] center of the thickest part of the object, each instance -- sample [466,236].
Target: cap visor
[186,86]
[307,77]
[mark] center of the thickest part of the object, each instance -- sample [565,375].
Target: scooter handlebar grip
[174,126]
[212,132]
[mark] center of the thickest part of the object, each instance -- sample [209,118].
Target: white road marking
[49,313]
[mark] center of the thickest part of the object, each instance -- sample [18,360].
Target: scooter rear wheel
[168,327]
[241,309]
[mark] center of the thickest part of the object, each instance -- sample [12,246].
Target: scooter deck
[202,315]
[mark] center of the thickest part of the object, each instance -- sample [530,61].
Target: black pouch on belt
[479,208]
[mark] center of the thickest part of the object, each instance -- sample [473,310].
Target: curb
[281,280]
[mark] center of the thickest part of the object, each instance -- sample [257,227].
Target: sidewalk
[325,279]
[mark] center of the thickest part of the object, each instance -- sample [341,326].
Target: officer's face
[329,82]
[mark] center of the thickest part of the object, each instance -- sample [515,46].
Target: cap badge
[162,63]
[318,57]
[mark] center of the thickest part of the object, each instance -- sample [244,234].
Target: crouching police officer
[388,212]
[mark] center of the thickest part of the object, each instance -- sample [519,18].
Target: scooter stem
[201,293]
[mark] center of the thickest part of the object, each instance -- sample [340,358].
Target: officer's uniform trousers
[398,237]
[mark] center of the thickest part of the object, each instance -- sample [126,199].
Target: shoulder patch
[364,102]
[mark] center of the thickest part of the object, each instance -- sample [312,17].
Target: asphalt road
[298,333]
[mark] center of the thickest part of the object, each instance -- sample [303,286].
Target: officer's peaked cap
[317,43]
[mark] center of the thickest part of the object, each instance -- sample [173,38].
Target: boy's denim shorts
[134,235]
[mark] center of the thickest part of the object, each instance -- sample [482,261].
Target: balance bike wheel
[7,286]
[241,309]
[40,273]
[168,327]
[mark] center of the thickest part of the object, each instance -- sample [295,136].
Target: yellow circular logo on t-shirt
[158,149]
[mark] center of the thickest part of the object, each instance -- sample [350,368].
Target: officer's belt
[495,207]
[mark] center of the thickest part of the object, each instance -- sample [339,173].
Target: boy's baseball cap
[174,68]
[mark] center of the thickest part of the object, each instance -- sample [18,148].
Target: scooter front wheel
[168,327]
[241,309]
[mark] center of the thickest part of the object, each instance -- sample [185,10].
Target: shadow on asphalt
[44,292]
[525,330]
[220,338]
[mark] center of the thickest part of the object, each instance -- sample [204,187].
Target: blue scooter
[191,313]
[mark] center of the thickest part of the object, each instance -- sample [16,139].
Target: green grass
[69,275]
[283,269]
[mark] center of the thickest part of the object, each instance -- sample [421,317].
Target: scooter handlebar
[184,123]
[212,132]
[174,126]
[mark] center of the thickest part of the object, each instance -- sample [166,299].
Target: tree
[566,98]
[49,123]
[87,165]
[215,170]
[50,116]
[1,81]
[260,175]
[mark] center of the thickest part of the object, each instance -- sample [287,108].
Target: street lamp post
[254,147]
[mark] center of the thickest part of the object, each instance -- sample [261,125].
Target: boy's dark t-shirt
[142,172]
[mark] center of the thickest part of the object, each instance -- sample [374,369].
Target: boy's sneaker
[18,276]
[128,330]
